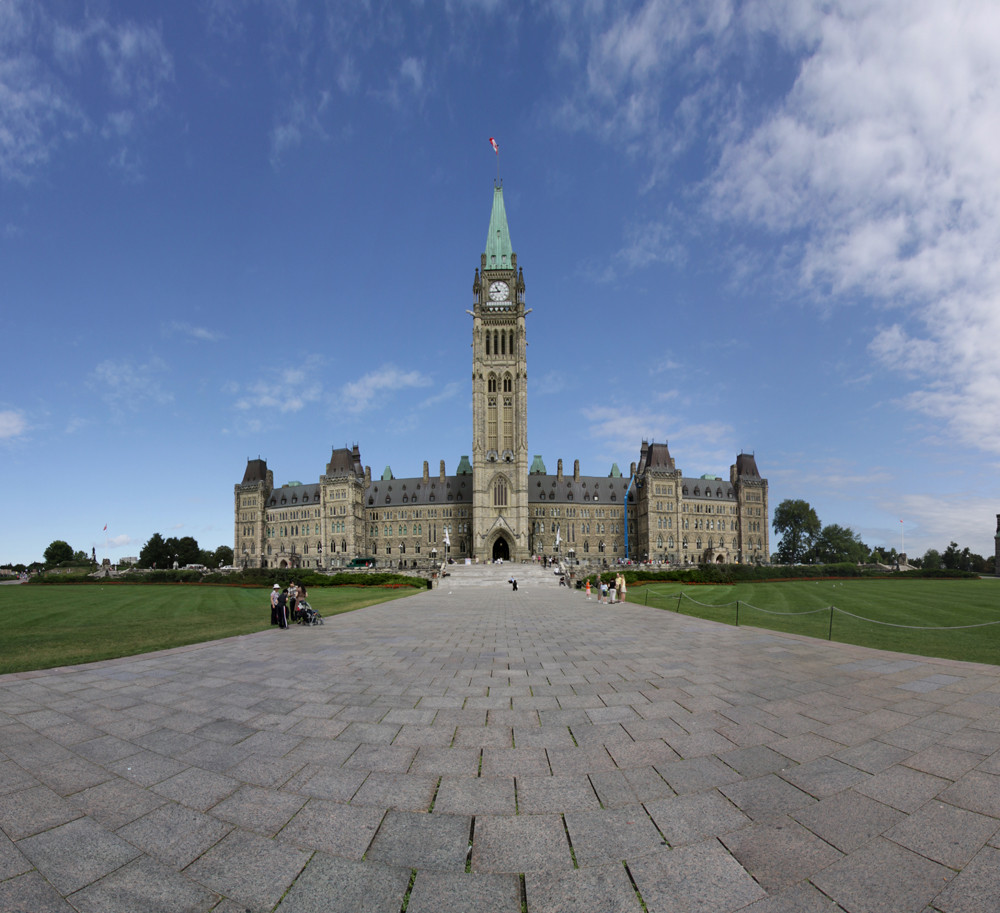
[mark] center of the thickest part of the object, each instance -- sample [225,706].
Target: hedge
[736,573]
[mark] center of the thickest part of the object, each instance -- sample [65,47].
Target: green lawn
[46,626]
[934,604]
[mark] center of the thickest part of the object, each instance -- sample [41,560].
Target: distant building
[498,505]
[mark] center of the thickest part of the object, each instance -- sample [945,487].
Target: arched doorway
[501,549]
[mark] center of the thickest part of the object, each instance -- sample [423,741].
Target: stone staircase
[528,576]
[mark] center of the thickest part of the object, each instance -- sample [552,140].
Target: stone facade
[497,505]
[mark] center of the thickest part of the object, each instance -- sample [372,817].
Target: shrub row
[736,573]
[251,577]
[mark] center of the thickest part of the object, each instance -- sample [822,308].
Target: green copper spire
[498,249]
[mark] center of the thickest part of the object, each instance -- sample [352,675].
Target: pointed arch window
[500,493]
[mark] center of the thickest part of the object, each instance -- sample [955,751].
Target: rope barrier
[831,609]
[889,624]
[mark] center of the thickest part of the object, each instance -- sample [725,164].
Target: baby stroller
[305,614]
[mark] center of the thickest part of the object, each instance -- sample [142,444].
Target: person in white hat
[274,603]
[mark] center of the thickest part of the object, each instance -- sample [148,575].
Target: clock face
[499,291]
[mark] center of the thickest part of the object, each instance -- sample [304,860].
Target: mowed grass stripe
[896,601]
[46,626]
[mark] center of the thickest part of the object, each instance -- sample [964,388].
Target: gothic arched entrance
[501,549]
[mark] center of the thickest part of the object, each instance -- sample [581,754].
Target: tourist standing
[275,592]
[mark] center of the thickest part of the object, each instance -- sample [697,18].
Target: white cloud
[873,170]
[200,334]
[371,389]
[127,387]
[42,103]
[448,392]
[287,390]
[12,424]
[881,170]
[411,70]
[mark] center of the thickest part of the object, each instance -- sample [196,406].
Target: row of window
[500,342]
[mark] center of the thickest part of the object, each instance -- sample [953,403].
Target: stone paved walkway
[481,750]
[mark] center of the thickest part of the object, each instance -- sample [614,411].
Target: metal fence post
[829,635]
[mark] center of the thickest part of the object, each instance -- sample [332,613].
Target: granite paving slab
[465,750]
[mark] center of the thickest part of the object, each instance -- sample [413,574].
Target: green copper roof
[498,249]
[537,465]
[616,473]
[464,466]
[387,475]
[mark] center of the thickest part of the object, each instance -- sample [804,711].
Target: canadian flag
[493,143]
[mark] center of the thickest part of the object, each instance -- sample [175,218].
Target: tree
[154,553]
[58,552]
[932,560]
[952,557]
[797,524]
[839,543]
[223,557]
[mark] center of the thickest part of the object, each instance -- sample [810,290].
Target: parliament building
[500,504]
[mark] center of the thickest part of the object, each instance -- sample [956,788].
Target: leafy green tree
[952,557]
[836,544]
[58,552]
[223,557]
[81,557]
[184,551]
[798,525]
[932,560]
[154,553]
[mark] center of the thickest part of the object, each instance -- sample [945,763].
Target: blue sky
[233,228]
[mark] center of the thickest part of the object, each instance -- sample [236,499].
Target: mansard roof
[587,490]
[295,494]
[416,492]
[746,466]
[345,461]
[256,471]
[655,456]
[711,487]
[498,250]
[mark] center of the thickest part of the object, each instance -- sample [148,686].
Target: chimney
[427,474]
[368,477]
[559,470]
[632,471]
[442,470]
[576,470]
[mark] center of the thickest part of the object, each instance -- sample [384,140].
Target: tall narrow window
[508,423]
[500,493]
[503,343]
[491,423]
[487,342]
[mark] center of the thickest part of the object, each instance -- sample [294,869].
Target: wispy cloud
[127,387]
[199,334]
[447,393]
[287,390]
[12,424]
[874,167]
[377,386]
[42,105]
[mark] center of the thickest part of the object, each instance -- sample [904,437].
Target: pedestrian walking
[588,588]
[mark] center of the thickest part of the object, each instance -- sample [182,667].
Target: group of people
[609,593]
[287,604]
